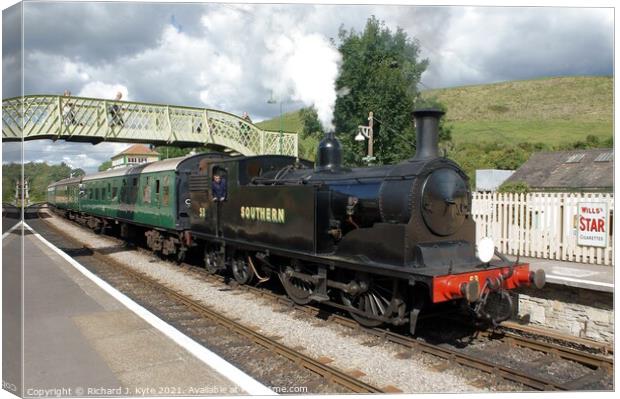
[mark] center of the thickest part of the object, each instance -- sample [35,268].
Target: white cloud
[76,155]
[303,67]
[233,57]
[99,89]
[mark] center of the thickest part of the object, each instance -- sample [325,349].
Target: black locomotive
[380,242]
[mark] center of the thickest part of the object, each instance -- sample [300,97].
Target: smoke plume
[303,67]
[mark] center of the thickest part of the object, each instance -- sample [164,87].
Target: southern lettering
[271,215]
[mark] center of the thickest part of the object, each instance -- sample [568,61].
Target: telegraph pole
[370,132]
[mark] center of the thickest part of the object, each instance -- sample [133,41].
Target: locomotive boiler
[383,243]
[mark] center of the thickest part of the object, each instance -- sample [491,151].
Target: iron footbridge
[93,120]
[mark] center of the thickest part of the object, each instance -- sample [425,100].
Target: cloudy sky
[235,57]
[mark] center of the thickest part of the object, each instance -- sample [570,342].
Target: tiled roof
[137,149]
[568,170]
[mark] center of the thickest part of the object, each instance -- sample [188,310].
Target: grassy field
[291,122]
[553,111]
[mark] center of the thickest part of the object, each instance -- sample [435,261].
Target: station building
[135,155]
[573,171]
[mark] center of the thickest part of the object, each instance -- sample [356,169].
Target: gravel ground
[348,351]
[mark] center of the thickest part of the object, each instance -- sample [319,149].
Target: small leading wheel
[376,305]
[213,261]
[297,289]
[241,271]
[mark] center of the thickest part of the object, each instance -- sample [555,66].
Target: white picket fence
[540,225]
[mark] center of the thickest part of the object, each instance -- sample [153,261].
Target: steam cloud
[275,52]
[303,67]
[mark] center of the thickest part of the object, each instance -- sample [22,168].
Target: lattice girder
[95,120]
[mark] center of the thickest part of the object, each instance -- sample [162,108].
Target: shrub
[514,187]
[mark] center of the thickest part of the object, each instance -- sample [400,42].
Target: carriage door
[203,213]
[157,193]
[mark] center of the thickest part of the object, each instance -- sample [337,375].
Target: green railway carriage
[151,195]
[143,195]
[150,200]
[65,194]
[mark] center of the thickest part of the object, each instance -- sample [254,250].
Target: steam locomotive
[381,242]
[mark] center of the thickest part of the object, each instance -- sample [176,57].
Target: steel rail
[508,373]
[330,373]
[585,358]
[604,348]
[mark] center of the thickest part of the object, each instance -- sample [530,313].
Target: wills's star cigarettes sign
[593,226]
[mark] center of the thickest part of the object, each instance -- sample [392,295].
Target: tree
[166,152]
[105,166]
[380,71]
[311,126]
[38,174]
[310,134]
[78,172]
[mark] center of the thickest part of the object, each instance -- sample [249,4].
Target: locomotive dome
[365,239]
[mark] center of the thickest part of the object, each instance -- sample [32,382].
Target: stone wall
[576,311]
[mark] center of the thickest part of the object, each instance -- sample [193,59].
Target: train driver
[218,187]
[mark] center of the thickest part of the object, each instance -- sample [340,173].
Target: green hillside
[291,122]
[553,111]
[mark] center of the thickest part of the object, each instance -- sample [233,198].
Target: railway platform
[574,274]
[81,339]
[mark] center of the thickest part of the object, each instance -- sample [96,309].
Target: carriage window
[124,191]
[90,193]
[146,192]
[135,181]
[166,194]
[103,193]
[114,192]
[157,186]
[97,193]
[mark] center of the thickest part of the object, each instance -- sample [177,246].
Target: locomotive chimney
[329,154]
[427,133]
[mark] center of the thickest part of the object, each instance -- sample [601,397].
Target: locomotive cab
[381,240]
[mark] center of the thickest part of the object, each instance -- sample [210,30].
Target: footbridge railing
[94,120]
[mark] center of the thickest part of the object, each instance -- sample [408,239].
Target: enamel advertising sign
[592,227]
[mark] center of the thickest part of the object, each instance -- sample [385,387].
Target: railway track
[597,366]
[597,363]
[179,310]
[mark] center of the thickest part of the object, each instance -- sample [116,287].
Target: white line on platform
[238,377]
[9,231]
[577,280]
